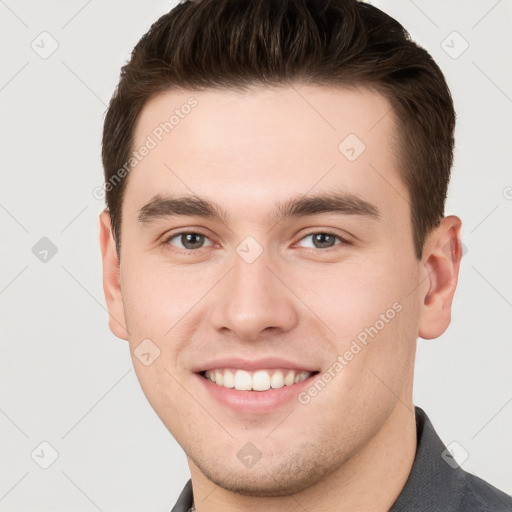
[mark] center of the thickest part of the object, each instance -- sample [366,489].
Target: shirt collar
[436,482]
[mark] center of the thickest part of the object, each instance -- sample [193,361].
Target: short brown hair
[240,43]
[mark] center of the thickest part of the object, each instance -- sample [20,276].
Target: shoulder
[481,496]
[437,483]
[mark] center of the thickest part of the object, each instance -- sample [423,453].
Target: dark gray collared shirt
[436,482]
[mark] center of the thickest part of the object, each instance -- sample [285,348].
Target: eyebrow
[164,206]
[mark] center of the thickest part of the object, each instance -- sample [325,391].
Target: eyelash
[166,241]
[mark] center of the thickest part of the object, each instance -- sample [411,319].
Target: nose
[253,300]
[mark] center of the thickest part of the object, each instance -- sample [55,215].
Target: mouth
[255,392]
[254,386]
[257,380]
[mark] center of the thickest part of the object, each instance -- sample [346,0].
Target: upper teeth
[259,380]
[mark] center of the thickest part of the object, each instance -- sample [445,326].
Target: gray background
[66,380]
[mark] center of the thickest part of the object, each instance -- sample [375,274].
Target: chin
[266,480]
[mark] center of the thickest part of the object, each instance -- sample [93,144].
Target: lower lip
[255,402]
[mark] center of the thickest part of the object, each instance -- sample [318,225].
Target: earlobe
[441,260]
[111,278]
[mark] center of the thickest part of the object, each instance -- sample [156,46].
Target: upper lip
[263,363]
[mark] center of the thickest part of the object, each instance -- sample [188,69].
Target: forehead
[247,149]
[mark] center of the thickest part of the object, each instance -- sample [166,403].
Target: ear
[111,278]
[441,260]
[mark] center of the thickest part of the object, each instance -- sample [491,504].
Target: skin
[352,446]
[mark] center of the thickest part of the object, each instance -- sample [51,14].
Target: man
[274,244]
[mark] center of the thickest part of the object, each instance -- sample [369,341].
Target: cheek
[372,317]
[351,295]
[156,297]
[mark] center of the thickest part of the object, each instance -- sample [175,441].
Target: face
[268,230]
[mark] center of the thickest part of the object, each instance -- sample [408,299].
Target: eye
[187,240]
[323,240]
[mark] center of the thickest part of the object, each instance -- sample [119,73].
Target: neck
[370,480]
